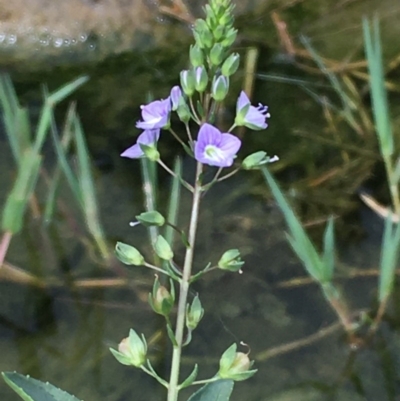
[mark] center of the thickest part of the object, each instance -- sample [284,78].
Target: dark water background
[61,334]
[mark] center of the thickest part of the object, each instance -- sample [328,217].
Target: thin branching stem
[181,180]
[173,388]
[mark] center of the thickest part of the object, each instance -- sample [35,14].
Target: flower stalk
[173,387]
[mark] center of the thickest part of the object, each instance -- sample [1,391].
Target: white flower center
[214,153]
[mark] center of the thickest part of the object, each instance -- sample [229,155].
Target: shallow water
[61,334]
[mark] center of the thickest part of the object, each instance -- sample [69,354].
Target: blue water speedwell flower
[175,96]
[148,138]
[214,148]
[250,116]
[155,114]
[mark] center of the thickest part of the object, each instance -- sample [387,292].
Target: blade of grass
[149,186]
[87,190]
[61,146]
[174,202]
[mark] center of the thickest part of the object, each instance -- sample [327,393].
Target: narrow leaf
[220,390]
[30,389]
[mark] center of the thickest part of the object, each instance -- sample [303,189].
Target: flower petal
[230,144]
[148,137]
[242,101]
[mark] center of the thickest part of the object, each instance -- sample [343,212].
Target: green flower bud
[217,54]
[220,88]
[256,160]
[188,82]
[129,255]
[152,218]
[183,111]
[150,152]
[160,299]
[132,350]
[231,261]
[203,36]
[196,56]
[194,313]
[201,79]
[163,249]
[230,65]
[218,32]
[235,365]
[230,38]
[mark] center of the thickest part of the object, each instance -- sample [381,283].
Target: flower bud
[132,350]
[128,255]
[160,299]
[230,65]
[183,111]
[194,313]
[187,82]
[163,249]
[217,54]
[231,261]
[151,218]
[150,152]
[229,38]
[218,32]
[235,365]
[175,96]
[220,88]
[201,79]
[255,160]
[196,56]
[203,36]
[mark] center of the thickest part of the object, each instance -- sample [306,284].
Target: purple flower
[214,148]
[149,137]
[155,114]
[250,116]
[175,96]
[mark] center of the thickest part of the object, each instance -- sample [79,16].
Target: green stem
[173,388]
[393,187]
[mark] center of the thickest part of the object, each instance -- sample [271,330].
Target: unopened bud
[217,54]
[163,249]
[235,365]
[151,218]
[231,261]
[220,88]
[229,38]
[187,82]
[132,350]
[230,65]
[128,255]
[194,313]
[175,96]
[183,111]
[160,299]
[196,56]
[201,79]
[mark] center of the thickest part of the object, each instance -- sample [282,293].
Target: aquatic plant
[196,102]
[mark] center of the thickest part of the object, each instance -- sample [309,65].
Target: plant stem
[393,187]
[173,388]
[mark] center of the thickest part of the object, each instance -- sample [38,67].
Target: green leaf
[329,251]
[389,258]
[298,238]
[220,390]
[30,389]
[191,378]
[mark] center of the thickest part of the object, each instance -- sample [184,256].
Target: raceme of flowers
[212,147]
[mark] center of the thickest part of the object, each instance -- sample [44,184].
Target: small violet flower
[149,137]
[250,116]
[155,114]
[175,96]
[214,148]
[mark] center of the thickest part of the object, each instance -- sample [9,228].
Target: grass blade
[378,90]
